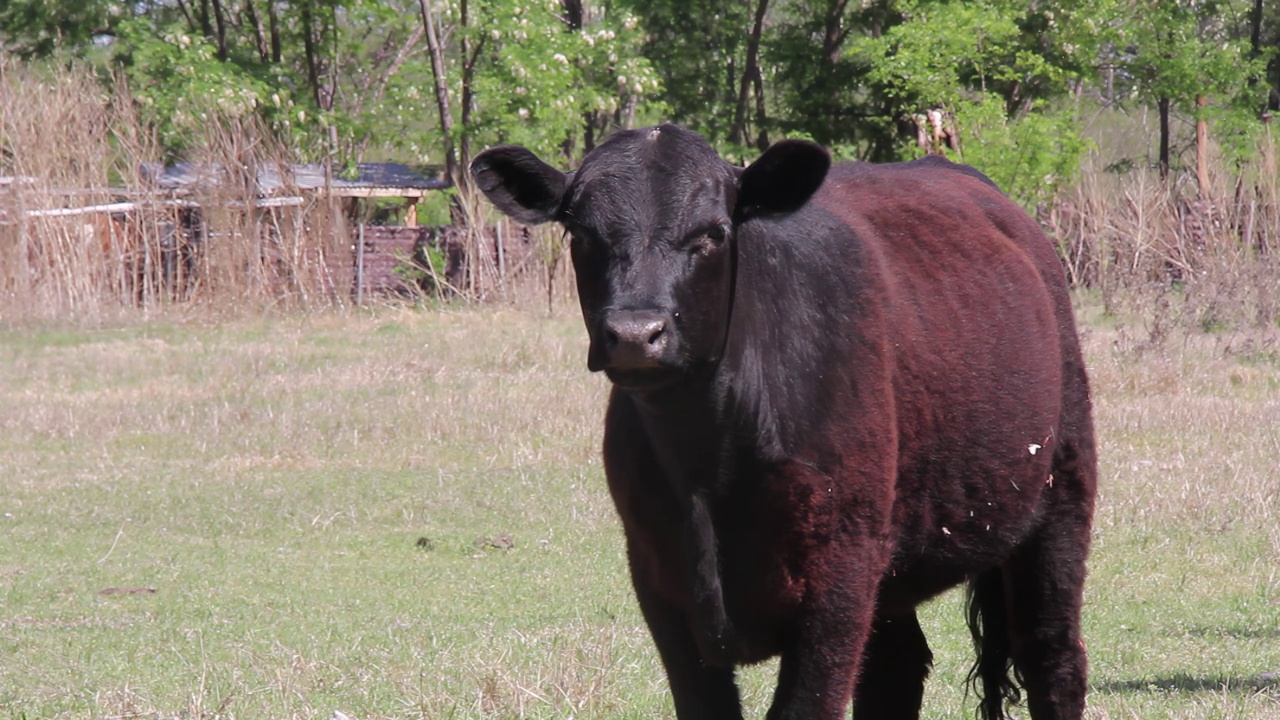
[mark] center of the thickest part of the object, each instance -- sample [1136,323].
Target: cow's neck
[684,427]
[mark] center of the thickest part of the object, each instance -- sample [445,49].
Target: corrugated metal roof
[274,179]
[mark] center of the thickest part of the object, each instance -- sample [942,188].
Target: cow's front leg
[827,638]
[698,690]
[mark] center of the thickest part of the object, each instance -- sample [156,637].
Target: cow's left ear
[782,179]
[520,184]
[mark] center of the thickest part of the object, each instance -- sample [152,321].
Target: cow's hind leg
[1045,593]
[894,667]
[1046,578]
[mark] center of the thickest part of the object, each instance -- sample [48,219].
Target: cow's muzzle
[632,340]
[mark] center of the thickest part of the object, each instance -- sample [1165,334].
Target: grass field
[401,514]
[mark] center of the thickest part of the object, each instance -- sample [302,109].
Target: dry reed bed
[1166,249]
[1174,253]
[70,145]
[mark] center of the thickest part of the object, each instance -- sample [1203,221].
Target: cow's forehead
[649,179]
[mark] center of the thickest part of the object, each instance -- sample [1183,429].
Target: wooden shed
[383,260]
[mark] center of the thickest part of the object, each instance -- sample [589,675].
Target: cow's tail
[993,677]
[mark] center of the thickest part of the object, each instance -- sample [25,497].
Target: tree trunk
[1202,148]
[1163,104]
[206,26]
[762,120]
[575,18]
[1255,30]
[574,14]
[750,79]
[191,22]
[470,55]
[309,49]
[441,88]
[832,39]
[221,28]
[273,23]
[259,32]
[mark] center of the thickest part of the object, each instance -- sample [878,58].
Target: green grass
[321,506]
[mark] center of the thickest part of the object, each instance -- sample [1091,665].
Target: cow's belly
[948,531]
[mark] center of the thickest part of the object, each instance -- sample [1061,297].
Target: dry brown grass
[69,143]
[269,477]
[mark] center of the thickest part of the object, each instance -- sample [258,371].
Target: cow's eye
[708,240]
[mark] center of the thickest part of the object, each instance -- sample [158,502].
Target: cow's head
[654,216]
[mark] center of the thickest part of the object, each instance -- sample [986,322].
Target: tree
[1180,54]
[999,71]
[700,49]
[523,74]
[30,29]
[821,92]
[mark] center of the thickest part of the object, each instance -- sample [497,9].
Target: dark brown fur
[837,394]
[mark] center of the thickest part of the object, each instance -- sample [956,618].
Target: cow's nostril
[656,332]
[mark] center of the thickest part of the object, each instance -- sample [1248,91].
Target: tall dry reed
[1206,257]
[85,234]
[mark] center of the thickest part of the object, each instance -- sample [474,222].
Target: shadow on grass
[1267,683]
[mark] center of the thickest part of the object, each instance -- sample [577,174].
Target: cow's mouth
[643,380]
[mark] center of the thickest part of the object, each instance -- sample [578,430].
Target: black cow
[837,392]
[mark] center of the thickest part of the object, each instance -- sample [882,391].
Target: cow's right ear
[520,184]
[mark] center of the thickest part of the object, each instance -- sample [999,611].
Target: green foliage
[37,28]
[556,75]
[535,78]
[696,44]
[820,92]
[180,82]
[1030,157]
[1183,51]
[434,208]
[1186,52]
[990,65]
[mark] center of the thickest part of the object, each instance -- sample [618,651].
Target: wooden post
[360,265]
[411,212]
[502,264]
[1163,105]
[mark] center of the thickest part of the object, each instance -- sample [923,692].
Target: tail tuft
[993,677]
